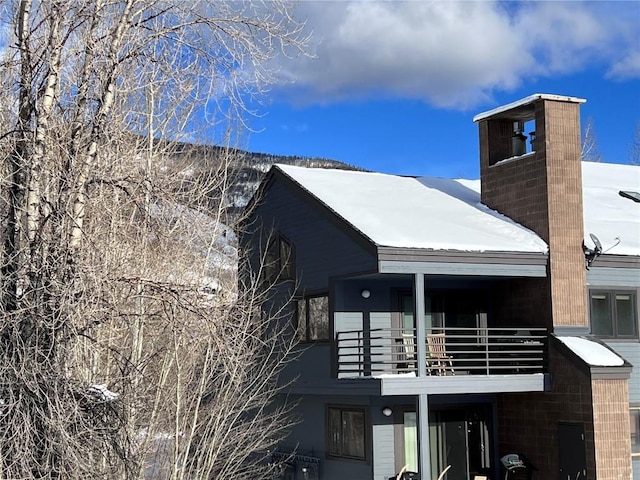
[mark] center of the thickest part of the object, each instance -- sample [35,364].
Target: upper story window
[279,260]
[614,313]
[313,318]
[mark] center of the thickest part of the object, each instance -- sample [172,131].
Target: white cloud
[455,54]
[627,67]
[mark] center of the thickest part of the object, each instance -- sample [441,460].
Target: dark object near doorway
[406,476]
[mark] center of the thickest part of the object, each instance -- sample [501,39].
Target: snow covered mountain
[244,170]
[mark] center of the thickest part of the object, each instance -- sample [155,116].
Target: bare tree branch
[590,151]
[127,349]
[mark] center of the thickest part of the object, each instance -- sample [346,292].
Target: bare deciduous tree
[634,153]
[590,151]
[125,348]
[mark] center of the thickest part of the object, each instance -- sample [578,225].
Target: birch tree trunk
[117,318]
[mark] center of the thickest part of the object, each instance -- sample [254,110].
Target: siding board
[630,351]
[383,452]
[459,268]
[383,344]
[614,277]
[345,321]
[323,247]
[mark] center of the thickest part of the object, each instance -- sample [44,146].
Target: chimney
[540,187]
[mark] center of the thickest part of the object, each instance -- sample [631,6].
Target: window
[635,431]
[313,318]
[279,260]
[346,432]
[613,314]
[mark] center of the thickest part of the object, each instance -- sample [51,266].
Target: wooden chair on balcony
[409,346]
[439,361]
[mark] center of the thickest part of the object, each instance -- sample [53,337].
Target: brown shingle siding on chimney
[564,185]
[518,189]
[543,191]
[612,434]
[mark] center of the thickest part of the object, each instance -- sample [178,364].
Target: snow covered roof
[526,101]
[593,353]
[607,214]
[408,212]
[446,214]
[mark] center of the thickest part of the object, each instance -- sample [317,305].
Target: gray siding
[313,365]
[613,277]
[464,269]
[309,436]
[323,248]
[383,452]
[630,351]
[608,277]
[382,341]
[348,321]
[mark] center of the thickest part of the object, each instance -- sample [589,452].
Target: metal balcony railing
[449,351]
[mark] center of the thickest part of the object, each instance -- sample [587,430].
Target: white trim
[450,268]
[455,384]
[526,101]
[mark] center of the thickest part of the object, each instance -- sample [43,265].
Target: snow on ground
[102,392]
[213,243]
[215,240]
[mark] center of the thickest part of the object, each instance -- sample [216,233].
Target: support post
[418,295]
[423,437]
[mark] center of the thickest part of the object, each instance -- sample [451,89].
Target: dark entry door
[572,455]
[460,437]
[455,436]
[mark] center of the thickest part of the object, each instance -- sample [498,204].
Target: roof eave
[526,101]
[456,263]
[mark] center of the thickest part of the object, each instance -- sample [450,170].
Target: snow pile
[593,353]
[102,392]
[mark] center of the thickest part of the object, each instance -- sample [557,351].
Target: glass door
[459,437]
[463,308]
[449,444]
[410,435]
[433,312]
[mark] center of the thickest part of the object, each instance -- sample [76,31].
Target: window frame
[635,408]
[366,432]
[278,269]
[306,337]
[612,293]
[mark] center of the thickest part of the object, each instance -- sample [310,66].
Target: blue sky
[393,86]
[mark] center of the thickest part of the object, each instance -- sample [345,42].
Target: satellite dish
[591,254]
[597,243]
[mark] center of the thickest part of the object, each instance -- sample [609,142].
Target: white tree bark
[109,234]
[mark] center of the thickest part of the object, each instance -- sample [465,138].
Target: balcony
[383,352]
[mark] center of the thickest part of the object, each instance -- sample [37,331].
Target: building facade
[468,325]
